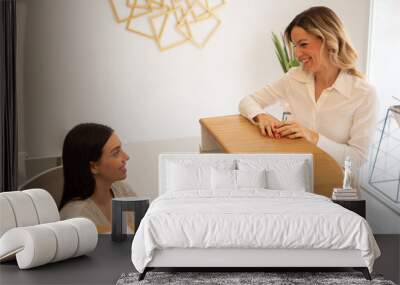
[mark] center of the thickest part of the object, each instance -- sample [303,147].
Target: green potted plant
[285,53]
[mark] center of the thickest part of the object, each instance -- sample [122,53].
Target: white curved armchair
[31,232]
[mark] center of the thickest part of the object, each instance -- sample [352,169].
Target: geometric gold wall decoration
[169,23]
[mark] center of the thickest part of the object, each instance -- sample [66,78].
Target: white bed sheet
[251,218]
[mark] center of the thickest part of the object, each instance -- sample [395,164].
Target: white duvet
[250,219]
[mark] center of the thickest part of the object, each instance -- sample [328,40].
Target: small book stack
[344,194]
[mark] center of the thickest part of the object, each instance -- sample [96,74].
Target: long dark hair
[82,145]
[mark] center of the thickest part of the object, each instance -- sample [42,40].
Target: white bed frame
[246,258]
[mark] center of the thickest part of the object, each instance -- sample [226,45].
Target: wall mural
[170,23]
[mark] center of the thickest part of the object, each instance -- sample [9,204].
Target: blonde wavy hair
[326,25]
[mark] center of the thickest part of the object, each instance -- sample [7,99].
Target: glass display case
[384,172]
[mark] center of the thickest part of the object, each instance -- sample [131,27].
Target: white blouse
[344,116]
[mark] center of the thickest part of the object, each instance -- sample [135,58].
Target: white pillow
[227,179]
[282,174]
[223,179]
[251,179]
[188,177]
[294,180]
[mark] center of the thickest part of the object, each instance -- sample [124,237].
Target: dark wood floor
[389,262]
[110,260]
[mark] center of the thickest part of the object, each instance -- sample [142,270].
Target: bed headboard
[215,158]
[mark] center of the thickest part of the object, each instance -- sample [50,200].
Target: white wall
[383,73]
[80,65]
[382,219]
[384,56]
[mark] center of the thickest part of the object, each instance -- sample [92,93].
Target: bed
[246,211]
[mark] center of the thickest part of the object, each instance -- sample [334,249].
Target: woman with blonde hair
[332,105]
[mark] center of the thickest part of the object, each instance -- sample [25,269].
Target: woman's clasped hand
[274,128]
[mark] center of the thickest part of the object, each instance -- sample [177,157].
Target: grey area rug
[229,278]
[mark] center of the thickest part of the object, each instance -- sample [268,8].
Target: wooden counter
[235,134]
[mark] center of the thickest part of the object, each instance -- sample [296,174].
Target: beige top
[87,208]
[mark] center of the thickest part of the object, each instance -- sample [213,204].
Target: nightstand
[357,206]
[138,205]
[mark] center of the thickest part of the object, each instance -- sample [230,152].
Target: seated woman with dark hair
[94,164]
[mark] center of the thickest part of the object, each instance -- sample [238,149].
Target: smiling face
[111,166]
[308,50]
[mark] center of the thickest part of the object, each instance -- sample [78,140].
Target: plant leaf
[281,62]
[285,49]
[280,52]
